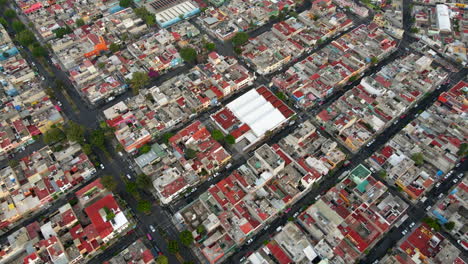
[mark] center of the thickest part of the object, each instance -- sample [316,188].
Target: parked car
[129,177]
[149,236]
[152,228]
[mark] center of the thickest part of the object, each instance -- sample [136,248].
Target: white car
[438,185]
[370,143]
[120,154]
[412,224]
[152,228]
[102,166]
[404,232]
[460,175]
[59,103]
[129,177]
[455,180]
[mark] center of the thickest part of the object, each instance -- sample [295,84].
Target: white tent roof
[254,110]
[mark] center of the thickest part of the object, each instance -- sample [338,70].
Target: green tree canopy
[53,135]
[188,54]
[173,246]
[374,60]
[144,14]
[9,13]
[125,3]
[144,206]
[186,237]
[210,46]
[167,136]
[3,22]
[217,135]
[450,225]
[25,38]
[143,181]
[109,182]
[18,26]
[13,163]
[162,260]
[230,139]
[39,51]
[114,47]
[240,39]
[432,223]
[61,32]
[145,149]
[98,139]
[418,158]
[463,150]
[139,80]
[75,132]
[131,187]
[80,22]
[190,153]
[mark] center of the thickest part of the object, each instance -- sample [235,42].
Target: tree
[139,80]
[463,150]
[3,2]
[414,30]
[132,188]
[25,38]
[143,181]
[3,22]
[167,136]
[98,139]
[87,149]
[75,132]
[13,163]
[418,158]
[382,174]
[39,51]
[173,246]
[217,135]
[432,223]
[230,139]
[374,60]
[240,39]
[114,47]
[109,182]
[210,46]
[449,226]
[144,14]
[238,50]
[188,54]
[18,26]
[101,65]
[190,153]
[10,13]
[61,32]
[186,237]
[145,149]
[53,135]
[125,3]
[5,54]
[109,214]
[200,230]
[79,22]
[353,78]
[144,206]
[162,260]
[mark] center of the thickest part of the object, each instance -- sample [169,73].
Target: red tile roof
[104,228]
